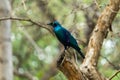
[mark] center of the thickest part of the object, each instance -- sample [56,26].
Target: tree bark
[6,68]
[88,69]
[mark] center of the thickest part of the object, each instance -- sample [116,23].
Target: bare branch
[113,65]
[28,20]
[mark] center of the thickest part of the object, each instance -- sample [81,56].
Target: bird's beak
[50,24]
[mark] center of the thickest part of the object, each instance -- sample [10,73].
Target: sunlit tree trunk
[6,68]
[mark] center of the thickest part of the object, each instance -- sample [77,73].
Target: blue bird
[65,37]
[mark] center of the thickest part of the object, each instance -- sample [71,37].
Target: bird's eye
[55,24]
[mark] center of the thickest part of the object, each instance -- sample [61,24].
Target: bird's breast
[57,28]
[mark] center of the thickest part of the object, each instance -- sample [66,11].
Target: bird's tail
[78,49]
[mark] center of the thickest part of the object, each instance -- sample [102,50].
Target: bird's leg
[65,47]
[63,57]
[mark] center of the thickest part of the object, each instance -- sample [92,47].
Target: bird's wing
[66,34]
[61,35]
[69,38]
[73,41]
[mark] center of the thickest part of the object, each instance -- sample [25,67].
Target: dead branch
[28,20]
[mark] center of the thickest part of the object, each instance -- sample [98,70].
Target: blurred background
[35,49]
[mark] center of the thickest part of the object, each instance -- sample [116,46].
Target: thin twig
[28,20]
[114,75]
[113,65]
[108,61]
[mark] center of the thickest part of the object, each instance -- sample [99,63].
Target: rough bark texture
[5,42]
[67,64]
[88,69]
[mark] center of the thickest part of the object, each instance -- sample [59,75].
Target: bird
[65,37]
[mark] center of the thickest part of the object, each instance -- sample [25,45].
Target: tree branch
[99,33]
[67,64]
[114,75]
[113,65]
[28,20]
[88,70]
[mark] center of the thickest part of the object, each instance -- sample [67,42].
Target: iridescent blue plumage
[65,37]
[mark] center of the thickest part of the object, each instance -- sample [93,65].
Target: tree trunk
[88,69]
[6,68]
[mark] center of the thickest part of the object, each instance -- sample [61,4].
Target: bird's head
[54,24]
